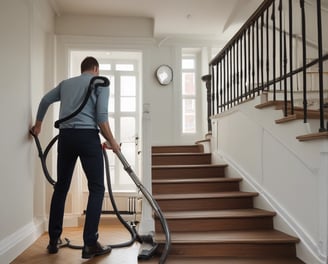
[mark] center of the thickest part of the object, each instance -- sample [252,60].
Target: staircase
[210,219]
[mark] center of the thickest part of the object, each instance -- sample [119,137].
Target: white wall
[291,176]
[23,28]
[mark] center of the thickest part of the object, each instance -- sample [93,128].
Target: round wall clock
[164,74]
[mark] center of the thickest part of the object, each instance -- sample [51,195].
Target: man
[79,137]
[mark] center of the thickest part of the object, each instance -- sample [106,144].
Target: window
[188,93]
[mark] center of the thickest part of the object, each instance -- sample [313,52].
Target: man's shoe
[52,248]
[93,251]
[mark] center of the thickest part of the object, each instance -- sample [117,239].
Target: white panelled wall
[291,176]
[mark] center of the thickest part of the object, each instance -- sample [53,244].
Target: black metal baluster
[280,41]
[304,60]
[236,61]
[285,73]
[257,56]
[217,89]
[231,79]
[224,80]
[240,88]
[253,60]
[291,56]
[249,63]
[268,50]
[245,64]
[262,52]
[221,85]
[233,67]
[321,97]
[274,50]
[213,90]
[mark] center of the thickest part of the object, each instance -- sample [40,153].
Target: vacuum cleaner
[146,240]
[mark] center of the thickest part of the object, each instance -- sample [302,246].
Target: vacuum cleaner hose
[94,84]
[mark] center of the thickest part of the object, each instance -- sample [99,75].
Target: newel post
[207,80]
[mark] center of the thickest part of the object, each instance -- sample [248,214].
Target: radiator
[126,203]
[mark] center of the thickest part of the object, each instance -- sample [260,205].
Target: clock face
[164,74]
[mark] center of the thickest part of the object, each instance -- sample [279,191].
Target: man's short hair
[88,64]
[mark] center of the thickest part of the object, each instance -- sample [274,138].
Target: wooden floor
[108,234]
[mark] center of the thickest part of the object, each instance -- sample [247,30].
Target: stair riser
[187,173]
[232,250]
[215,224]
[210,187]
[205,204]
[178,149]
[181,160]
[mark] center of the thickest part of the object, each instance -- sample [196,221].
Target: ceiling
[214,19]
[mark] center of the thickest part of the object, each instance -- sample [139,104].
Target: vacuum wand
[152,203]
[150,200]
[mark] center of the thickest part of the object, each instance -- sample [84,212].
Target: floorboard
[109,234]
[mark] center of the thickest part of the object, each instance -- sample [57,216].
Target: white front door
[123,116]
[123,71]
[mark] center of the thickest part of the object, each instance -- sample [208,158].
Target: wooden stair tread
[203,141]
[268,104]
[196,180]
[189,166]
[181,154]
[313,136]
[286,119]
[205,195]
[233,213]
[196,148]
[299,115]
[230,237]
[222,260]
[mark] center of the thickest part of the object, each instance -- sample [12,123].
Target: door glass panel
[128,104]
[188,83]
[189,119]
[128,147]
[128,129]
[128,93]
[188,64]
[105,67]
[111,103]
[128,86]
[124,67]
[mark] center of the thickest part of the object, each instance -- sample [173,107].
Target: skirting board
[13,245]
